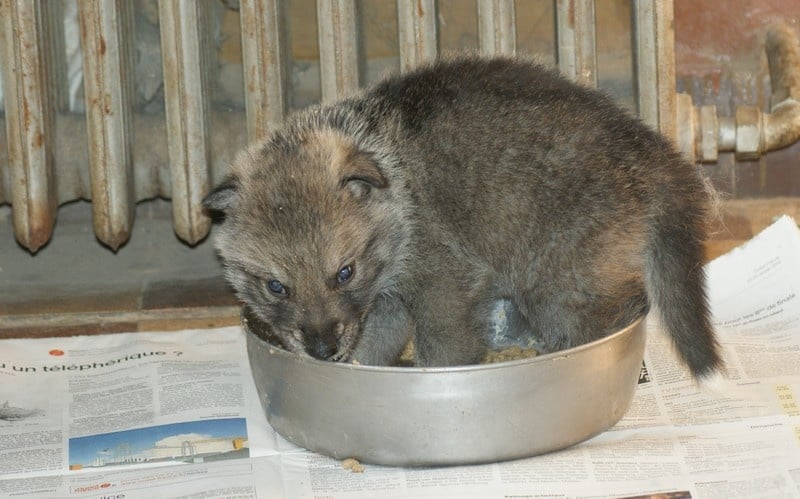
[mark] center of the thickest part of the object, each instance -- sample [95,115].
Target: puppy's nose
[322,347]
[320,339]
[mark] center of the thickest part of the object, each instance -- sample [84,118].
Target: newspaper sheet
[176,414]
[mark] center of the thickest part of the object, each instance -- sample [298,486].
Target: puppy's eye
[344,274]
[276,287]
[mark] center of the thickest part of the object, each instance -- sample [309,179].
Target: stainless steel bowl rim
[569,352]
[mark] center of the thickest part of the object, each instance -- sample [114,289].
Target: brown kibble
[514,352]
[510,353]
[352,465]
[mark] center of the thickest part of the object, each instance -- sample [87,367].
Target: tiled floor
[76,286]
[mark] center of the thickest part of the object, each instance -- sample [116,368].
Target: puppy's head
[311,234]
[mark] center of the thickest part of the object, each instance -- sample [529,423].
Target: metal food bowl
[409,416]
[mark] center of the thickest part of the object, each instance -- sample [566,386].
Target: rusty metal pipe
[24,46]
[185,28]
[497,29]
[752,132]
[782,125]
[265,56]
[339,58]
[654,50]
[783,53]
[577,54]
[417,32]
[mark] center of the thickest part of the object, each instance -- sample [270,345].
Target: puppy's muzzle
[321,341]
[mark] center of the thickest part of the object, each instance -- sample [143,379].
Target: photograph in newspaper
[190,442]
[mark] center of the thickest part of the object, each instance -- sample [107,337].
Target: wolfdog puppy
[411,209]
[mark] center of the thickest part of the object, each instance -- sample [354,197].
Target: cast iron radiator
[115,155]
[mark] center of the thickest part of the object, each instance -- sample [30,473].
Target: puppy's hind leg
[571,318]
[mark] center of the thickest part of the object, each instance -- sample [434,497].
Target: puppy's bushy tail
[675,282]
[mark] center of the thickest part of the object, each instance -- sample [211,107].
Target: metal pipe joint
[751,131]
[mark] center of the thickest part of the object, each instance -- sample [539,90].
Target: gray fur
[454,186]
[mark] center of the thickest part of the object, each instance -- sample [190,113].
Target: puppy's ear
[222,198]
[354,168]
[360,172]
